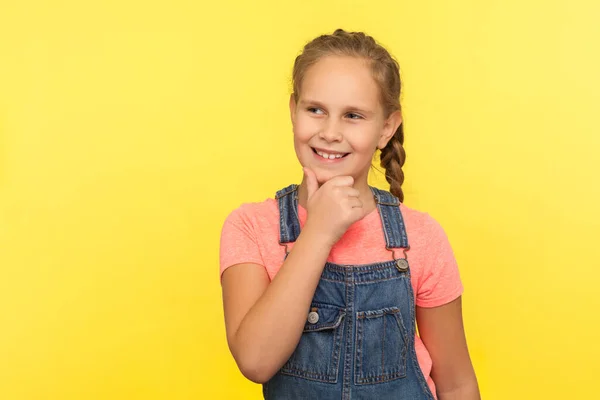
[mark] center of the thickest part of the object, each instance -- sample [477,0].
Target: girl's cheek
[308,127]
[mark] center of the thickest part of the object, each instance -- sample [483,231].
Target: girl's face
[338,120]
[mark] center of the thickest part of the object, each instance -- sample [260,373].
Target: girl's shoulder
[253,213]
[421,224]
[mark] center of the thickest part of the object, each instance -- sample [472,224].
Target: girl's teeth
[329,156]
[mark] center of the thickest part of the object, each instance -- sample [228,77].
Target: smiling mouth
[329,155]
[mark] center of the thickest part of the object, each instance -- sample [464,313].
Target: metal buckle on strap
[401,263]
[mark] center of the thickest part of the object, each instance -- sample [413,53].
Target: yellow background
[129,130]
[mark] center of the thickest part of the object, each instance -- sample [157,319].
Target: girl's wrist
[319,236]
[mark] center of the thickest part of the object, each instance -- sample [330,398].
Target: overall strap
[391,219]
[289,223]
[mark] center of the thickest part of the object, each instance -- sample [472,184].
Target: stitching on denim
[285,191]
[348,345]
[330,325]
[282,233]
[411,334]
[296,221]
[383,346]
[386,199]
[358,351]
[371,281]
[330,376]
[360,268]
[388,215]
[285,203]
[335,362]
[368,314]
[307,375]
[386,227]
[403,330]
[395,274]
[395,372]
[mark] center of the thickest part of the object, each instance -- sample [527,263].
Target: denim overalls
[359,338]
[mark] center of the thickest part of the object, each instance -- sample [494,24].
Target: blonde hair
[386,73]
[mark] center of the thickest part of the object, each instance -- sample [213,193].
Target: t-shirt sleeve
[238,241]
[440,281]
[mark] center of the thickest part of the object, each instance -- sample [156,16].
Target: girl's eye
[354,116]
[315,110]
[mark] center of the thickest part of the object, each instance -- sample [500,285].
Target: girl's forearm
[468,391]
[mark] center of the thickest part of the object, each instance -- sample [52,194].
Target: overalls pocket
[317,355]
[381,346]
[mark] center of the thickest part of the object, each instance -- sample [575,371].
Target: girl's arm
[442,331]
[264,320]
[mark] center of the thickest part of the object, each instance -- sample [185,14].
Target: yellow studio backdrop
[129,130]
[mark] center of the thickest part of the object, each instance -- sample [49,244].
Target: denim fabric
[362,345]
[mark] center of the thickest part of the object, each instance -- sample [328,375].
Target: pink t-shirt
[251,235]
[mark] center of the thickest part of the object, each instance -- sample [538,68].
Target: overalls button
[402,265]
[313,317]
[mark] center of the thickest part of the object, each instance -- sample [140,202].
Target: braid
[392,160]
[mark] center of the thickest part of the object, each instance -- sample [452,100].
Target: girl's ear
[292,108]
[389,128]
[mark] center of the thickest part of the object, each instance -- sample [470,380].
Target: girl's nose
[331,133]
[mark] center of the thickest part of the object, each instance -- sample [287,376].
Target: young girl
[322,285]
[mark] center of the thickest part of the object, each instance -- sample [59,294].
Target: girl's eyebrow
[321,105]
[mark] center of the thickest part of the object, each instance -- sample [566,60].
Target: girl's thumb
[311,181]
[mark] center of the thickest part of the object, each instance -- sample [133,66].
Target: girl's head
[345,105]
